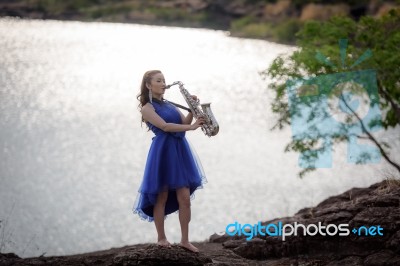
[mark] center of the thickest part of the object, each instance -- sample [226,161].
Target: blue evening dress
[171,164]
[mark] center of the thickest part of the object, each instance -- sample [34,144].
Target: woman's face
[157,84]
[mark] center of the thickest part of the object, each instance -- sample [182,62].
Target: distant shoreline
[276,21]
[149,24]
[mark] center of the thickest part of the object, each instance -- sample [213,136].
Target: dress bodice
[169,114]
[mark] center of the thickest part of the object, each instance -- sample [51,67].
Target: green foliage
[251,27]
[239,24]
[169,14]
[105,11]
[285,32]
[119,10]
[381,36]
[300,3]
[259,1]
[56,7]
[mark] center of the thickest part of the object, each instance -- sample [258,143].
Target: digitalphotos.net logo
[339,105]
[284,230]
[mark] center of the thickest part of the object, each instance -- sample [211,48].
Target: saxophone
[210,127]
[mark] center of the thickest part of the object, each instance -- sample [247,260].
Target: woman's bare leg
[159,216]
[183,195]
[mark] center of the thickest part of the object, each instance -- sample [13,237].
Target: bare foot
[164,243]
[189,246]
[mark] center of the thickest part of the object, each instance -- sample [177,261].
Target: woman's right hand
[198,123]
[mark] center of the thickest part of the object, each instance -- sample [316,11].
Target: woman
[171,173]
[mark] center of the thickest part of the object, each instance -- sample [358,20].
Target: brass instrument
[210,127]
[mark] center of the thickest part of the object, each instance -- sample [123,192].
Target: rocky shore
[377,205]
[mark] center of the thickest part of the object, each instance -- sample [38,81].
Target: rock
[376,215]
[394,242]
[323,12]
[384,257]
[348,261]
[144,254]
[197,5]
[191,5]
[378,205]
[280,9]
[233,243]
[235,8]
[216,238]
[253,250]
[156,255]
[8,256]
[385,8]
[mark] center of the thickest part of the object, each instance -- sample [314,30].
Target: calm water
[73,150]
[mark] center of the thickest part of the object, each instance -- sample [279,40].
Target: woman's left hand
[194,97]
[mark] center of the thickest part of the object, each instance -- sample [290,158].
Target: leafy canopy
[380,35]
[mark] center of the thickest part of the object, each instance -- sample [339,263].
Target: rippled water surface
[73,150]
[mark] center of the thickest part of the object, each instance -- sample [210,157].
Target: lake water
[73,150]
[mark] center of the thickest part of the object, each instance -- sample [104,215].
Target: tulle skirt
[171,164]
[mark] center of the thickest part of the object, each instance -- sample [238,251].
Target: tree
[318,56]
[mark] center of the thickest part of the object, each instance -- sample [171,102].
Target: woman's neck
[158,97]
[157,100]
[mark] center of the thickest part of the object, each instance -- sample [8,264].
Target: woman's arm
[151,116]
[187,120]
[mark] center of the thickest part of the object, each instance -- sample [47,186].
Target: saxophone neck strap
[181,106]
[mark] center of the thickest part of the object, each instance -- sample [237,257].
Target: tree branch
[372,138]
[395,107]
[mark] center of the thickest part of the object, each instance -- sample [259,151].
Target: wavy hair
[143,96]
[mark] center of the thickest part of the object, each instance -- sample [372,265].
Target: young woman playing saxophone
[172,173]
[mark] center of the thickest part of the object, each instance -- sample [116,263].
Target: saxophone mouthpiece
[174,83]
